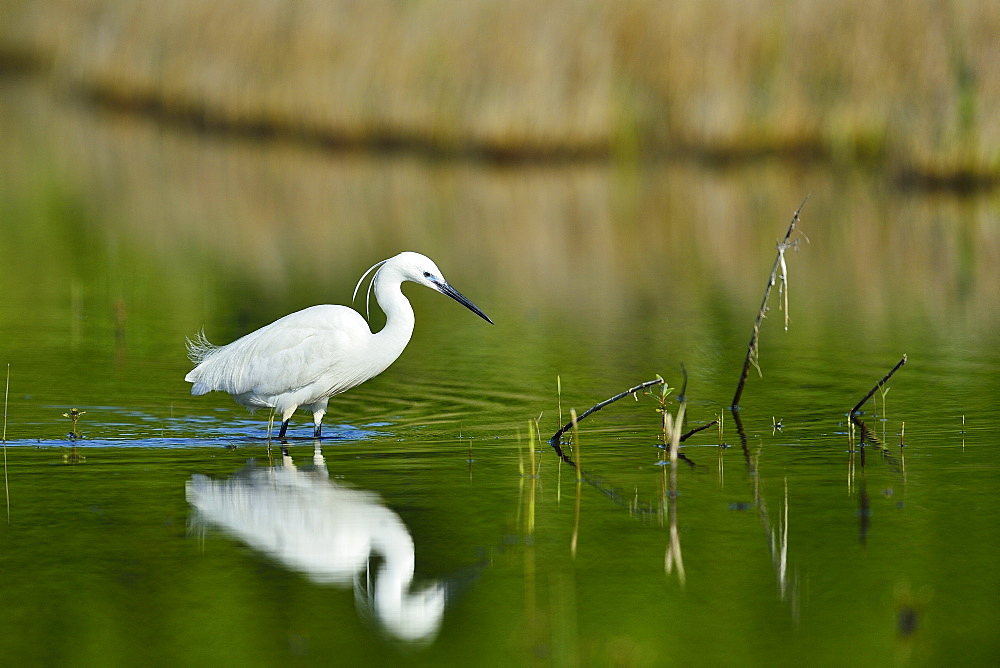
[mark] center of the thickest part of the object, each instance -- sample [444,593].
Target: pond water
[430,525]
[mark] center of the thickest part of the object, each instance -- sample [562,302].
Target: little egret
[308,356]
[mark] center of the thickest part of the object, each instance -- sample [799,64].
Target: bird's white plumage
[308,356]
[315,352]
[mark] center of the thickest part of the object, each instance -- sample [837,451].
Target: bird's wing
[320,343]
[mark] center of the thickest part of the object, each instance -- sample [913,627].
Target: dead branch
[879,384]
[554,441]
[779,263]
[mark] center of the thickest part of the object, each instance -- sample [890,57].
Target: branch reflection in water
[329,532]
[777,535]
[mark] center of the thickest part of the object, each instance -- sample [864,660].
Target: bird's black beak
[446,289]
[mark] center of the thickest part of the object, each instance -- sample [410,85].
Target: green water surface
[787,546]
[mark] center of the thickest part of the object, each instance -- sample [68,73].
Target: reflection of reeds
[846,80]
[579,485]
[777,535]
[673,557]
[221,218]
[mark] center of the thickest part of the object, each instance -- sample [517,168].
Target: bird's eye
[427,274]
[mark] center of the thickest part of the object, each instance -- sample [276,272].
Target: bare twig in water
[571,425]
[779,263]
[573,458]
[877,386]
[688,434]
[867,437]
[554,441]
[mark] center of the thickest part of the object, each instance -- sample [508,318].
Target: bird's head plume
[368,294]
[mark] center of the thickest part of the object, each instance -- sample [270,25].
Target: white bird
[308,356]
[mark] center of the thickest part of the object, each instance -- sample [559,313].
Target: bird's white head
[410,266]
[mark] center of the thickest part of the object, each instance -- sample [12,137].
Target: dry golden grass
[909,85]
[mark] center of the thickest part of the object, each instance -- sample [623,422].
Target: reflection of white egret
[308,356]
[327,531]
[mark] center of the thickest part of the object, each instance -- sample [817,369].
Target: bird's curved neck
[398,316]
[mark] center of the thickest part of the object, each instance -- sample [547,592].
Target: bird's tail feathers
[199,348]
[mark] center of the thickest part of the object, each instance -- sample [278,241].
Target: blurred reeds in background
[908,87]
[606,241]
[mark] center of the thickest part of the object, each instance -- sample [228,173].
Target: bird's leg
[319,410]
[284,427]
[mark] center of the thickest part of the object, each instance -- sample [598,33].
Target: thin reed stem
[6,485]
[559,396]
[576,440]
